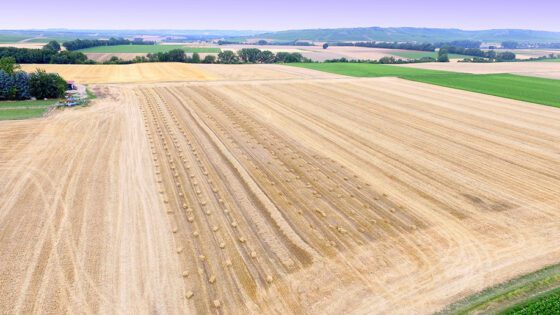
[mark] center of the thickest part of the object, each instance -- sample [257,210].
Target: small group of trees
[254,55]
[88,43]
[477,53]
[50,53]
[384,60]
[245,55]
[19,85]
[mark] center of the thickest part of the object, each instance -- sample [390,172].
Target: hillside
[412,34]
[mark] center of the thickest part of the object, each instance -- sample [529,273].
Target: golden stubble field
[294,195]
[549,70]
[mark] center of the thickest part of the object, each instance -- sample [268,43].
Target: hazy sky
[278,15]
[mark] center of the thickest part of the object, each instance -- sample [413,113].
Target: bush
[195,58]
[228,57]
[209,59]
[46,85]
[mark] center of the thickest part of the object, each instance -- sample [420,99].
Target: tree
[505,56]
[325,45]
[7,88]
[262,42]
[443,55]
[266,56]
[21,84]
[249,55]
[176,55]
[46,85]
[8,64]
[53,45]
[289,57]
[209,59]
[195,58]
[510,45]
[228,57]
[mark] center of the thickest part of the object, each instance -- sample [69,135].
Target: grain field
[318,196]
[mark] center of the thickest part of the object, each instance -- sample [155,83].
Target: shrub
[46,85]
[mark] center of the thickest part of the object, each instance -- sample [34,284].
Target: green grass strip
[16,114]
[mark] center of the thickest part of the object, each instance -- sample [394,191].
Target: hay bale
[217,304]
[212,279]
[185,274]
[189,294]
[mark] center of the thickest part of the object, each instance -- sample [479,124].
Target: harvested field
[23,45]
[174,72]
[317,53]
[102,57]
[134,73]
[318,196]
[537,69]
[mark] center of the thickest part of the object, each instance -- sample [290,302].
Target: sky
[279,15]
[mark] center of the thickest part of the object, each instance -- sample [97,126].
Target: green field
[529,89]
[14,104]
[419,54]
[7,38]
[14,114]
[528,292]
[147,49]
[14,110]
[545,303]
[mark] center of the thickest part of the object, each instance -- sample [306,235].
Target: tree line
[245,55]
[263,42]
[383,61]
[517,45]
[475,52]
[88,43]
[50,53]
[19,85]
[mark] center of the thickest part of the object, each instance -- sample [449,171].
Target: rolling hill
[412,34]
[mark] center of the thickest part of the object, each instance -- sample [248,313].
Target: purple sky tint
[279,15]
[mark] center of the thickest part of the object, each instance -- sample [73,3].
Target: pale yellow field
[143,72]
[23,45]
[174,72]
[538,69]
[267,189]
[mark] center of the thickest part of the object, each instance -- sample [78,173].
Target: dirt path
[315,196]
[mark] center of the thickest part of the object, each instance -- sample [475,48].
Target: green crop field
[147,49]
[537,289]
[8,38]
[419,54]
[14,110]
[546,303]
[529,89]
